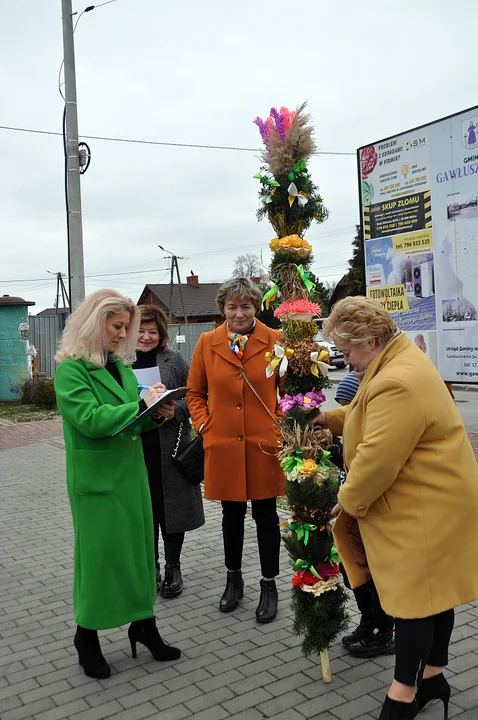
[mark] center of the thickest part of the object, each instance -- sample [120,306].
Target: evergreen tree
[356,280]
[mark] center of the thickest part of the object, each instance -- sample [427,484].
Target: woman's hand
[338,508]
[166,411]
[154,392]
[321,421]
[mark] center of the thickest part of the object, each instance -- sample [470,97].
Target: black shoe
[158,579]
[364,630]
[380,643]
[146,633]
[90,656]
[267,608]
[234,591]
[395,710]
[434,688]
[172,585]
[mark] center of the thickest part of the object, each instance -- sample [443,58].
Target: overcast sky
[192,72]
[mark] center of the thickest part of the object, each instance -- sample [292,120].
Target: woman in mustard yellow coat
[409,507]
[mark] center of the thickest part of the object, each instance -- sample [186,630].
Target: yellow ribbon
[318,364]
[279,358]
[302,197]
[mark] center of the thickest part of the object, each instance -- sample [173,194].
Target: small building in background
[199,300]
[15,349]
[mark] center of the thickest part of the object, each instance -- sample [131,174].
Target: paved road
[230,667]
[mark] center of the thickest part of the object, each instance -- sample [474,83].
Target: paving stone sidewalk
[231,667]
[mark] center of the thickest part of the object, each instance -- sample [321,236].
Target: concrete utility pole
[76,267]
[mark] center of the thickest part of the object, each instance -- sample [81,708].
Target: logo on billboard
[413,144]
[368,160]
[468,132]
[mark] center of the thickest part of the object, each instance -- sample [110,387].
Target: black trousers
[173,542]
[368,602]
[419,643]
[268,534]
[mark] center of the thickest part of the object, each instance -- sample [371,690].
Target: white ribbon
[292,190]
[279,352]
[322,367]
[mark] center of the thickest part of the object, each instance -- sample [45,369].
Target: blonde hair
[359,319]
[84,335]
[239,289]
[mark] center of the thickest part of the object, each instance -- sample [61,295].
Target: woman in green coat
[97,395]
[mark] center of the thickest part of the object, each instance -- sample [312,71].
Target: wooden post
[325,662]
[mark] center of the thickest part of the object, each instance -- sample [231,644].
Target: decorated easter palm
[291,202]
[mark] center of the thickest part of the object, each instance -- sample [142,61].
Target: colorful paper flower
[309,401]
[321,586]
[291,243]
[298,307]
[308,468]
[325,570]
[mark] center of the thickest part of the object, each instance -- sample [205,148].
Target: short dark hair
[153,313]
[239,289]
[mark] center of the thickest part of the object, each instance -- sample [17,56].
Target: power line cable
[154,142]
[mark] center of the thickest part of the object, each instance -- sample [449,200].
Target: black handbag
[190,461]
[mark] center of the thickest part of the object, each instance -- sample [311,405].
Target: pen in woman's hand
[143,387]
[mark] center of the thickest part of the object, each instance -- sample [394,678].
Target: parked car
[336,358]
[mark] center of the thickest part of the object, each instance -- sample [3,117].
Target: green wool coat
[114,565]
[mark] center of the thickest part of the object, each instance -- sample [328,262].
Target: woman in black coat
[177,505]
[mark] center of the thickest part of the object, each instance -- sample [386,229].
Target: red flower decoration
[328,570]
[368,159]
[325,570]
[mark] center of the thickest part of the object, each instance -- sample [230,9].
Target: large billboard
[419,205]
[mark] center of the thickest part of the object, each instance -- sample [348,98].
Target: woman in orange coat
[241,439]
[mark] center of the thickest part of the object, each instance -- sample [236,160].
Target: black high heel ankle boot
[146,633]
[396,710]
[90,656]
[267,608]
[434,688]
[234,591]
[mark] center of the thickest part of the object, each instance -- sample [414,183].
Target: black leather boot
[233,592]
[434,688]
[363,631]
[158,579]
[267,608]
[172,585]
[379,643]
[146,633]
[90,656]
[395,710]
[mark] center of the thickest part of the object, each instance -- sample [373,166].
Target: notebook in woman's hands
[165,398]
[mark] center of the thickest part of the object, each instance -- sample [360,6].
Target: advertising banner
[419,202]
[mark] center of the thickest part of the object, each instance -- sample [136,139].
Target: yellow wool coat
[412,485]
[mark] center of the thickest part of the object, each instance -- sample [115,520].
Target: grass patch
[18,413]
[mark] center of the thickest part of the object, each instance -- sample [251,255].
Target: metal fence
[190,334]
[45,335]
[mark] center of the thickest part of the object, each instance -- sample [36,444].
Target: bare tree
[249,266]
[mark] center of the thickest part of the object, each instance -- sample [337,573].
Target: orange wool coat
[241,441]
